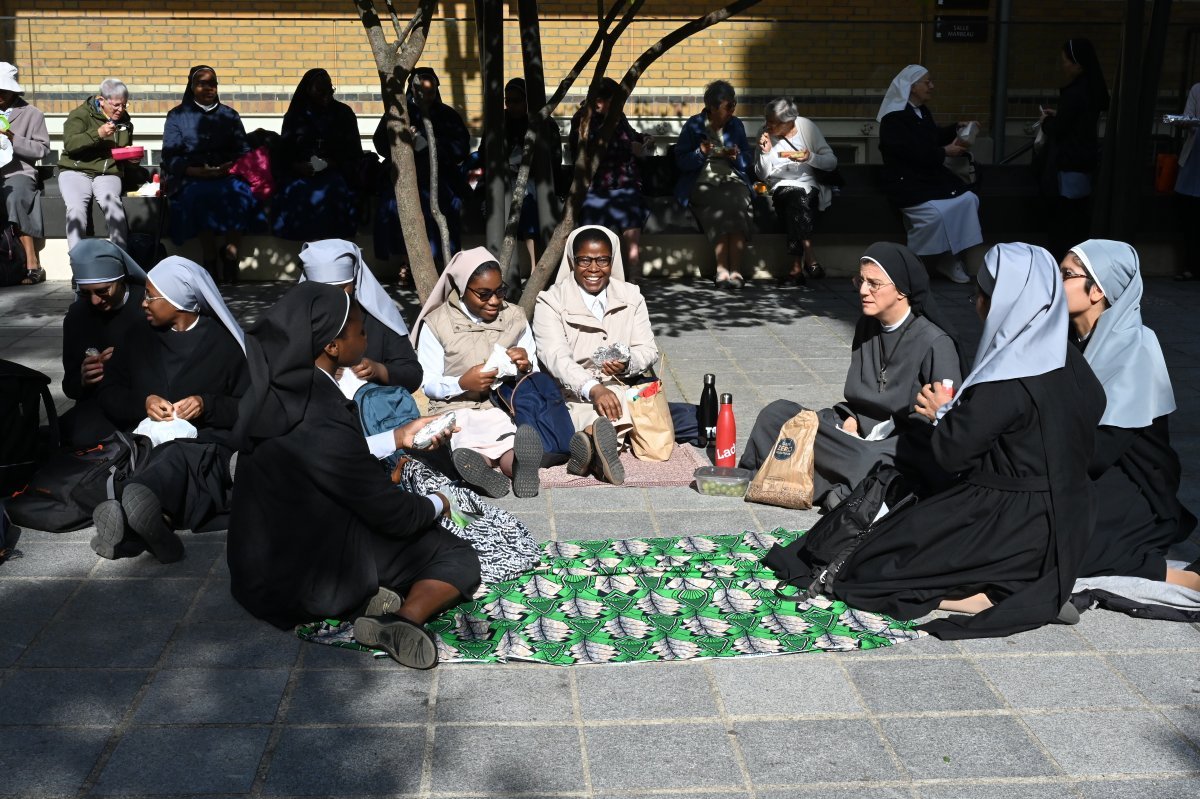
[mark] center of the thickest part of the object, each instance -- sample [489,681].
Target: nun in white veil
[390,359]
[187,363]
[1006,541]
[1135,469]
[940,213]
[590,306]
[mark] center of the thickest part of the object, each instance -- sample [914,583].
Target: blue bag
[384,408]
[538,403]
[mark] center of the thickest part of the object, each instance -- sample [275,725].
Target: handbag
[786,478]
[813,561]
[254,167]
[653,434]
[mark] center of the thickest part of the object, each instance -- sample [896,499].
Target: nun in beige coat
[591,306]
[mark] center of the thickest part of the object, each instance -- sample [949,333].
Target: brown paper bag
[786,479]
[653,434]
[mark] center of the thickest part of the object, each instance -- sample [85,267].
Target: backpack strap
[510,406]
[51,417]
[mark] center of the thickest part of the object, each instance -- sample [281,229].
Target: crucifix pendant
[883,378]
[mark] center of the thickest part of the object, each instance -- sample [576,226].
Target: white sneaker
[956,273]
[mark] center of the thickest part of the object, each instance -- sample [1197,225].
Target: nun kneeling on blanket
[1006,542]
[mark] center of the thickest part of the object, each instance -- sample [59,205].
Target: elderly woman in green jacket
[87,169]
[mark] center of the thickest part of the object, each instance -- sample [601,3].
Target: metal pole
[1000,81]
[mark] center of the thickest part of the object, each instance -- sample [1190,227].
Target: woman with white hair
[940,213]
[87,169]
[792,155]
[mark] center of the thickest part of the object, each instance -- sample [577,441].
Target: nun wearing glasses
[187,362]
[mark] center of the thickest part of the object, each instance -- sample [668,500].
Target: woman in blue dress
[202,137]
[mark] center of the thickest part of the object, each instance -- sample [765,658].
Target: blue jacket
[690,160]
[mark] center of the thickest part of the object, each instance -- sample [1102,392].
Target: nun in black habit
[317,529]
[108,303]
[1007,541]
[1135,470]
[902,342]
[186,362]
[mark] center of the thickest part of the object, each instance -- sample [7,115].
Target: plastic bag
[162,432]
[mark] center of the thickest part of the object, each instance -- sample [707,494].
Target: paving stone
[818,750]
[216,603]
[661,748]
[840,792]
[1140,789]
[1187,719]
[33,599]
[481,693]
[389,694]
[14,638]
[346,760]
[507,760]
[198,559]
[317,656]
[1146,742]
[212,696]
[100,601]
[1051,638]
[570,526]
[625,691]
[232,644]
[51,559]
[41,761]
[900,686]
[735,520]
[1165,678]
[1081,681]
[959,790]
[965,747]
[121,643]
[68,696]
[183,761]
[538,524]
[598,499]
[783,686]
[1106,631]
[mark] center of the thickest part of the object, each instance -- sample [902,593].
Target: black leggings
[797,212]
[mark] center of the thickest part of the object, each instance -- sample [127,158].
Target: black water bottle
[706,414]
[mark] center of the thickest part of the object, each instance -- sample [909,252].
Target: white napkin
[350,383]
[500,361]
[162,432]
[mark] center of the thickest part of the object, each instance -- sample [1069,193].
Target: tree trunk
[489,24]
[435,201]
[394,61]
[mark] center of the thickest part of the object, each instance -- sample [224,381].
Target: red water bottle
[156,179]
[726,433]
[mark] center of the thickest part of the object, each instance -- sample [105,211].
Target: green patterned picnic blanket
[643,599]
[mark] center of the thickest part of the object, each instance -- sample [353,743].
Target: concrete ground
[131,678]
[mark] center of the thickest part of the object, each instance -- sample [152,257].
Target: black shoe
[409,644]
[143,514]
[815,271]
[527,458]
[608,452]
[737,282]
[721,282]
[110,529]
[474,470]
[1067,614]
[581,454]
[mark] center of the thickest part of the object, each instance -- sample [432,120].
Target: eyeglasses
[1072,275]
[120,105]
[600,261]
[873,286]
[485,295]
[149,299]
[103,292]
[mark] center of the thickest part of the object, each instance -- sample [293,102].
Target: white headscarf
[188,286]
[451,283]
[1024,333]
[1123,352]
[566,265]
[337,262]
[896,98]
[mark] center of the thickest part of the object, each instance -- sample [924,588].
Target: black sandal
[34,276]
[815,271]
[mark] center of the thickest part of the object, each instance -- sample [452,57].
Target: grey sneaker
[110,529]
[474,470]
[143,513]
[385,601]
[408,644]
[527,459]
[956,273]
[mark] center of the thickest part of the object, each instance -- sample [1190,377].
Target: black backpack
[23,393]
[61,496]
[12,257]
[812,562]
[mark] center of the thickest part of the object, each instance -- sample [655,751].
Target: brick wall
[837,57]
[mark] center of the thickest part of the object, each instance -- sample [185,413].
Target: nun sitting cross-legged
[591,306]
[1135,471]
[1006,542]
[317,530]
[462,327]
[186,362]
[901,342]
[389,359]
[108,303]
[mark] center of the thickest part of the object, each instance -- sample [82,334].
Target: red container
[128,153]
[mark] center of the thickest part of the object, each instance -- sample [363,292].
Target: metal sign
[960,29]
